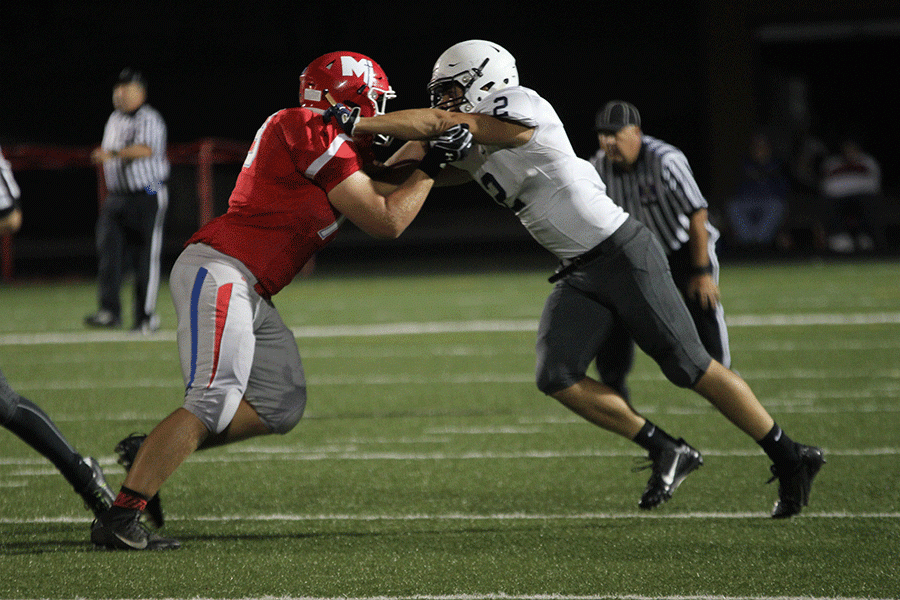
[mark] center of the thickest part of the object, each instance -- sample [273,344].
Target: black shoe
[97,494]
[121,529]
[670,468]
[794,483]
[127,449]
[103,319]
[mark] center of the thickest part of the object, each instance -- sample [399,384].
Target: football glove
[451,146]
[344,116]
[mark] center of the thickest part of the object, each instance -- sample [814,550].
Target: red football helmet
[349,78]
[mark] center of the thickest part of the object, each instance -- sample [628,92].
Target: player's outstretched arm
[428,123]
[379,215]
[363,201]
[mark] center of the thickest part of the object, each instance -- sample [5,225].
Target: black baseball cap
[616,115]
[129,75]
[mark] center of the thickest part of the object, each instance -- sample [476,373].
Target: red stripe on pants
[223,297]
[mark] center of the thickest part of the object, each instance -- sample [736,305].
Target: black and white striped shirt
[659,190]
[9,190]
[144,127]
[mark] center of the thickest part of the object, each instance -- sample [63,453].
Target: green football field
[428,465]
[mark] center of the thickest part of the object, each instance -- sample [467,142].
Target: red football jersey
[279,214]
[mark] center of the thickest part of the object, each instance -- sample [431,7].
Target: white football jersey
[558,196]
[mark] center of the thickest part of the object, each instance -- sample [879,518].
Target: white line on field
[286,517]
[251,453]
[499,325]
[468,379]
[502,596]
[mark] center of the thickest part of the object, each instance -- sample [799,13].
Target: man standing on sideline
[130,225]
[653,182]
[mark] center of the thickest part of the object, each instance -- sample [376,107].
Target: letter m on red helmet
[349,78]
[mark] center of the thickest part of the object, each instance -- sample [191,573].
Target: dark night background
[704,74]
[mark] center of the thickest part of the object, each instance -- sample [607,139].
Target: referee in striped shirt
[130,225]
[653,182]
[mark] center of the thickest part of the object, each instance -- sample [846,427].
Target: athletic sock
[653,439]
[129,499]
[779,447]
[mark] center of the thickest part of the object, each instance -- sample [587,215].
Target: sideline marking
[480,326]
[465,517]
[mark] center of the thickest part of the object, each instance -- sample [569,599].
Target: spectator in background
[851,190]
[807,153]
[130,225]
[757,212]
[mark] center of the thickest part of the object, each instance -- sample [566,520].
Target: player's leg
[731,395]
[627,279]
[795,465]
[244,425]
[615,359]
[572,328]
[28,421]
[662,326]
[214,305]
[276,390]
[169,444]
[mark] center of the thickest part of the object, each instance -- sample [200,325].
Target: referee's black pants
[129,237]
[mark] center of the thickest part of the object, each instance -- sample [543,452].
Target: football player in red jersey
[242,370]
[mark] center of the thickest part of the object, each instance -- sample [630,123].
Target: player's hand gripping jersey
[279,214]
[558,196]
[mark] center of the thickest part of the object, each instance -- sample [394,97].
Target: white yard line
[352,452]
[501,517]
[500,325]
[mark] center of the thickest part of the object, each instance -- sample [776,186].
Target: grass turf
[428,465]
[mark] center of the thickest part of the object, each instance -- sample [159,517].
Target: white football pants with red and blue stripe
[233,344]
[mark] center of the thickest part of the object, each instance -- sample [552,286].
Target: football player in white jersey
[612,269]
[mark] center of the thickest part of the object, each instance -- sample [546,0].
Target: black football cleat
[121,529]
[670,468]
[795,483]
[97,494]
[127,449]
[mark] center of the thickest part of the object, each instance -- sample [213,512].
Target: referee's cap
[129,75]
[616,115]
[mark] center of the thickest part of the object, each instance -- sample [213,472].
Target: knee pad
[681,374]
[550,380]
[281,415]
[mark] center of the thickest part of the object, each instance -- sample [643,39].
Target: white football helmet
[478,67]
